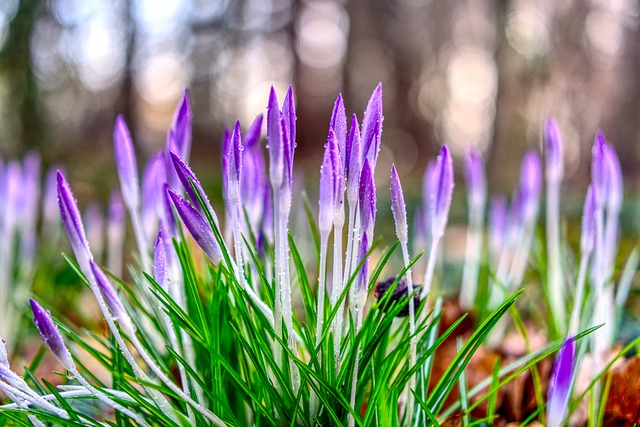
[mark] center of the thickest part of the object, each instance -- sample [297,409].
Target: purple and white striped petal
[72,222]
[126,164]
[398,207]
[553,150]
[197,226]
[372,127]
[367,199]
[599,169]
[441,183]
[560,384]
[186,177]
[51,336]
[234,165]
[353,165]
[339,126]
[327,186]
[159,260]
[275,142]
[288,114]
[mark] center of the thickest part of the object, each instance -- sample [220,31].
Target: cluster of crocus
[236,351]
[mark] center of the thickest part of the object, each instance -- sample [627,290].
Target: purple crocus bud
[126,164]
[73,223]
[288,114]
[372,127]
[169,222]
[363,274]
[327,185]
[352,161]
[398,206]
[115,233]
[275,142]
[339,126]
[252,135]
[51,336]
[367,199]
[497,224]
[187,177]
[530,185]
[599,169]
[560,384]
[588,236]
[441,192]
[153,177]
[553,149]
[197,226]
[181,128]
[476,180]
[159,260]
[234,165]
[112,300]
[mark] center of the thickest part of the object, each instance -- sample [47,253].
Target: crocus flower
[553,149]
[275,142]
[181,128]
[73,223]
[115,233]
[159,260]
[328,184]
[51,336]
[338,125]
[353,165]
[398,207]
[372,127]
[530,186]
[188,178]
[126,163]
[197,226]
[367,199]
[599,169]
[441,192]
[560,384]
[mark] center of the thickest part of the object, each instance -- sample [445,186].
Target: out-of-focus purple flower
[441,192]
[73,223]
[599,169]
[112,300]
[275,142]
[327,185]
[476,180]
[530,186]
[588,236]
[372,127]
[181,128]
[51,336]
[553,150]
[94,223]
[398,207]
[197,226]
[497,225]
[159,260]
[353,165]
[126,164]
[153,178]
[50,202]
[367,199]
[560,384]
[339,126]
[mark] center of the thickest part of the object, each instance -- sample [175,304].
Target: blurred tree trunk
[22,83]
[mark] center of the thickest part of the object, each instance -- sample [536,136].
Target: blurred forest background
[478,73]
